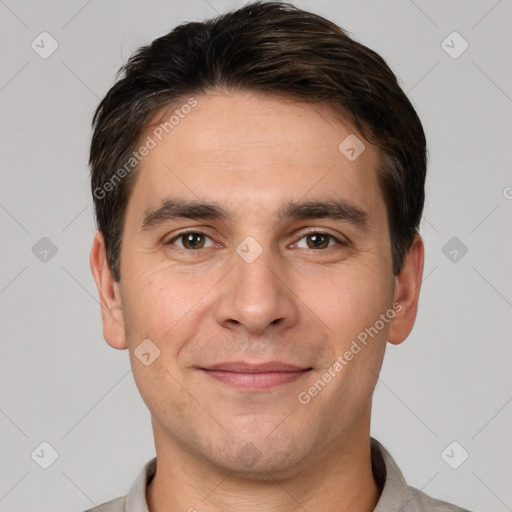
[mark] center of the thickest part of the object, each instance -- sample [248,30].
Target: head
[258,182]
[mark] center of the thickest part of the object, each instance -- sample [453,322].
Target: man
[259,182]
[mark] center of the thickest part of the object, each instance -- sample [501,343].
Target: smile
[256,381]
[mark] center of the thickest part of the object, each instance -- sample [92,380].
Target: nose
[257,295]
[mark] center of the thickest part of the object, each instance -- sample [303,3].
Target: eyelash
[195,232]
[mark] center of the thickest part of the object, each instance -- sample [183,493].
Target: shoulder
[417,501]
[116,505]
[135,500]
[395,493]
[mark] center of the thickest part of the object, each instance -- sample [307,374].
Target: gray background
[59,380]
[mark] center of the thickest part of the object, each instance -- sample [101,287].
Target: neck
[338,479]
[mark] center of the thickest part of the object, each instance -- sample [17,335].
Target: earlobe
[110,297]
[407,291]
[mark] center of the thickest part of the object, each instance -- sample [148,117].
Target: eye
[191,240]
[319,240]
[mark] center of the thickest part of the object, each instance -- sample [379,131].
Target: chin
[261,459]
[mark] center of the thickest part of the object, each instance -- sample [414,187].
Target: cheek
[157,309]
[347,301]
[159,302]
[160,389]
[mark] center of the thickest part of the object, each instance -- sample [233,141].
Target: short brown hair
[270,47]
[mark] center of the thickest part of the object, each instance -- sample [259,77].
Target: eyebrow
[174,208]
[181,208]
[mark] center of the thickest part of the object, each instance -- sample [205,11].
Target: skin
[295,303]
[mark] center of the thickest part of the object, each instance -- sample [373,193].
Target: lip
[255,377]
[243,367]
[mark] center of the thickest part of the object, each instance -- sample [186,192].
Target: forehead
[256,149]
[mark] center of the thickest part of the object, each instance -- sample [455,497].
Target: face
[273,247]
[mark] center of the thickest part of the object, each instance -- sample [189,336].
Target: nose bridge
[254,295]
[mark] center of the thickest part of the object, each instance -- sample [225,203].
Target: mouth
[255,377]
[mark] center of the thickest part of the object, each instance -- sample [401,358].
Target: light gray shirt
[396,495]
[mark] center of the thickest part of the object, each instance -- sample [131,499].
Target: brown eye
[190,240]
[319,240]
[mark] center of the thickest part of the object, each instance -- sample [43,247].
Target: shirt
[396,495]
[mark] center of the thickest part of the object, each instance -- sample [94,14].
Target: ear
[110,296]
[407,292]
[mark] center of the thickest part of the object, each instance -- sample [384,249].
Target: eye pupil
[192,240]
[318,240]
